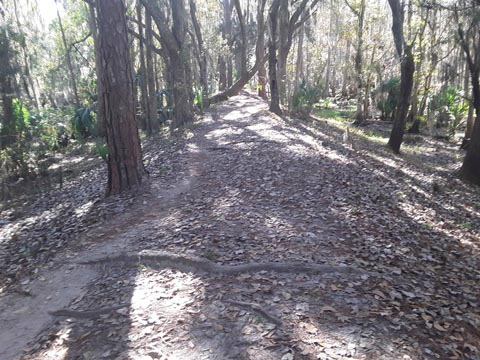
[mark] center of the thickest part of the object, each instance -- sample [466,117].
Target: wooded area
[288,146]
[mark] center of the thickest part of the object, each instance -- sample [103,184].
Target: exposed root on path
[257,309]
[93,314]
[185,263]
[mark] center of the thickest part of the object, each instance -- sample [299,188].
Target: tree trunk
[173,40]
[69,61]
[326,90]
[25,52]
[92,22]
[182,86]
[236,86]
[272,59]
[283,50]
[8,132]
[152,120]
[227,37]
[202,56]
[125,167]
[299,66]
[470,118]
[286,28]
[222,74]
[360,14]
[246,77]
[470,170]
[406,76]
[260,51]
[406,85]
[143,72]
[345,79]
[368,85]
[243,35]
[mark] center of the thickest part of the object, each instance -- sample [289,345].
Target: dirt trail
[23,316]
[257,189]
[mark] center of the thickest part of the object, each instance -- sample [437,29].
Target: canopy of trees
[414,63]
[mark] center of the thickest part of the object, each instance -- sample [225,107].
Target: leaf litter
[264,189]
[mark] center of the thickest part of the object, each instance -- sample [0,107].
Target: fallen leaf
[327,308]
[439,327]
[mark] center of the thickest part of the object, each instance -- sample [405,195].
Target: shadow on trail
[275,190]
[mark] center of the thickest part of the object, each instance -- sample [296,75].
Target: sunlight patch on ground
[222,134]
[193,148]
[162,305]
[84,209]
[58,349]
[235,115]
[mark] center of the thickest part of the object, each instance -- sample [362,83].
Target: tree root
[257,310]
[93,314]
[186,263]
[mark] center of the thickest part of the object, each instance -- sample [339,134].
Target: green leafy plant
[388,97]
[451,108]
[305,97]
[84,123]
[102,150]
[198,99]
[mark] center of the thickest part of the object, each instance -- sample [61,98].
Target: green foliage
[451,107]
[84,122]
[101,150]
[20,116]
[15,160]
[388,97]
[306,96]
[198,99]
[336,114]
[42,132]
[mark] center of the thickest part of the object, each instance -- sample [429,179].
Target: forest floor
[243,186]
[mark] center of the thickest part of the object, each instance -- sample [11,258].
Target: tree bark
[152,120]
[326,90]
[8,132]
[92,21]
[202,55]
[143,72]
[406,76]
[236,86]
[286,28]
[272,59]
[25,53]
[360,14]
[246,77]
[260,49]
[125,167]
[174,41]
[227,37]
[299,66]
[470,170]
[406,86]
[69,61]
[243,35]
